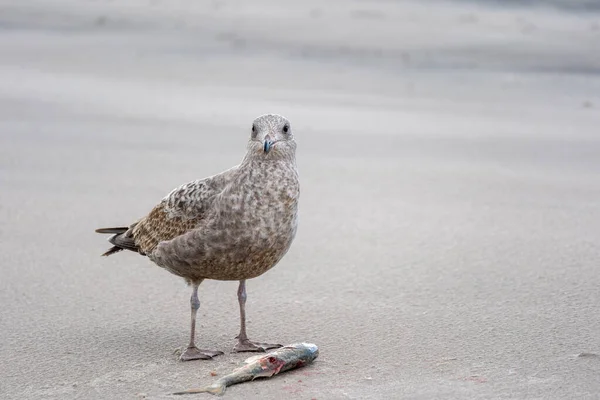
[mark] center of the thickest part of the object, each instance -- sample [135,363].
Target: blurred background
[449,156]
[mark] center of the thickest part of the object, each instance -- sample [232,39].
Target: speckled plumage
[235,225]
[231,226]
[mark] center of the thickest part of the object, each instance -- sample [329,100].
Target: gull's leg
[192,352]
[243,343]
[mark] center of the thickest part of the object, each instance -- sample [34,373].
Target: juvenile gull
[235,225]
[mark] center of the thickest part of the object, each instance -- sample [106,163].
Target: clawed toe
[247,345]
[193,353]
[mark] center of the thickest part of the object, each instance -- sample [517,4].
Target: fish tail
[216,388]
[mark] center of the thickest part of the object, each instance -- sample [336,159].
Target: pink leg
[243,343]
[192,352]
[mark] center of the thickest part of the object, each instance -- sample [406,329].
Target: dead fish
[263,366]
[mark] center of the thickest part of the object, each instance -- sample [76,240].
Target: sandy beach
[449,157]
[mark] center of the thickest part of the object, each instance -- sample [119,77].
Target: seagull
[235,225]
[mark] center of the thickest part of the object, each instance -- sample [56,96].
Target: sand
[450,169]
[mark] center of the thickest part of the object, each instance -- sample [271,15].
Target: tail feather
[112,250]
[119,240]
[216,388]
[112,230]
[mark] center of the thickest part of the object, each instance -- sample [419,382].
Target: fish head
[308,351]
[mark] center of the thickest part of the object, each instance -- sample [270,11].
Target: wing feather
[179,212]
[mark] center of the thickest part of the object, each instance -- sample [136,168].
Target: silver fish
[263,366]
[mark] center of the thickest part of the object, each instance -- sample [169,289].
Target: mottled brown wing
[180,212]
[160,225]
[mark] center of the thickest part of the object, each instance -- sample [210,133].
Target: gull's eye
[286,129]
[253,130]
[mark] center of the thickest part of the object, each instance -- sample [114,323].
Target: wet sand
[450,169]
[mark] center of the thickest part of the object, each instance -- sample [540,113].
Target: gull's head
[272,136]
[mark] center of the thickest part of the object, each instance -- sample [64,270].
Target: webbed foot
[247,345]
[194,353]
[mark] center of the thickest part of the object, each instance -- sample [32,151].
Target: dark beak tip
[267,146]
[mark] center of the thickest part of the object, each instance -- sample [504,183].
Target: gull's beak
[268,144]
